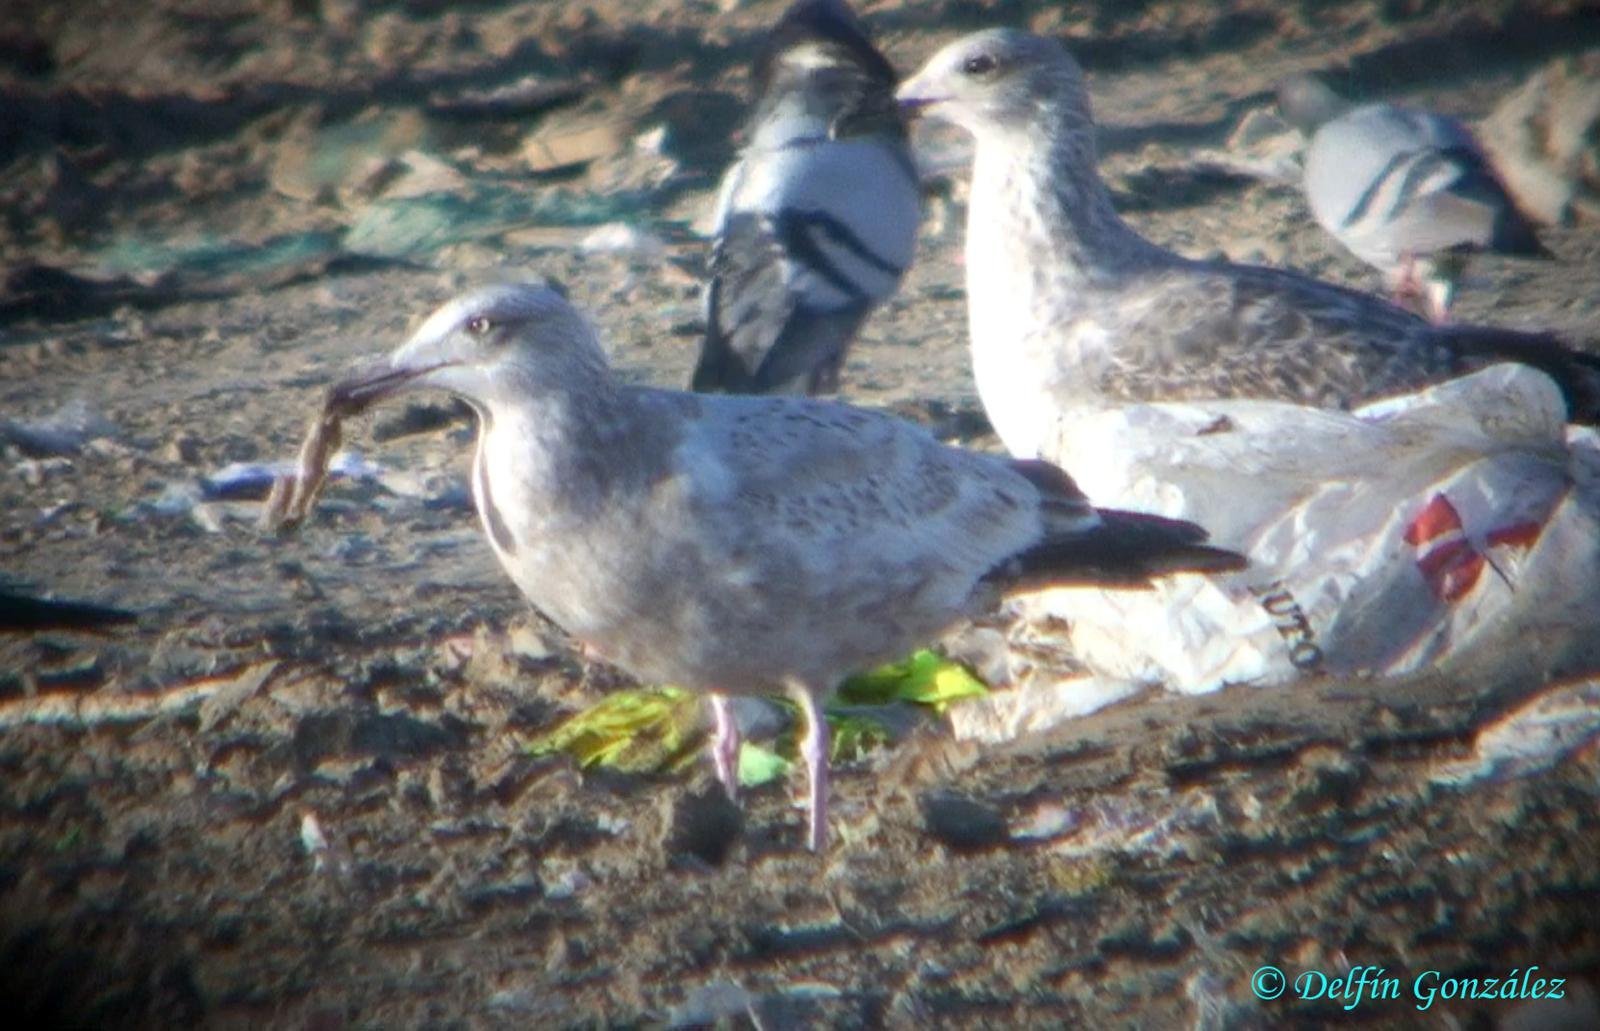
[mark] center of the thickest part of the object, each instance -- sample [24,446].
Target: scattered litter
[1542,139]
[653,140]
[760,765]
[229,695]
[1157,823]
[311,836]
[1533,737]
[1439,530]
[109,706]
[660,729]
[622,238]
[712,1004]
[551,150]
[34,471]
[530,95]
[326,856]
[1035,706]
[569,883]
[926,678]
[632,731]
[65,432]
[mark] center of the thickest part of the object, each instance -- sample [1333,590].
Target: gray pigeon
[1069,306]
[817,220]
[1408,192]
[744,544]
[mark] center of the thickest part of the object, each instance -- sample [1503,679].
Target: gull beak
[371,383]
[406,369]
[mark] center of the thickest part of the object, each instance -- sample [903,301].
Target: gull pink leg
[814,749]
[725,747]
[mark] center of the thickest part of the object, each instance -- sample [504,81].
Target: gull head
[494,342]
[1001,79]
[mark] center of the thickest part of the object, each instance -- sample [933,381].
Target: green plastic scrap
[759,764]
[654,729]
[927,678]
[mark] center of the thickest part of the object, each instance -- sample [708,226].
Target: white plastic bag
[1410,534]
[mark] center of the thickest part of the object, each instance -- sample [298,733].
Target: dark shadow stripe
[498,531]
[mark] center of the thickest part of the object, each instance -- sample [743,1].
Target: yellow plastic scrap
[641,731]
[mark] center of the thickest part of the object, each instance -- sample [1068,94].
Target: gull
[817,220]
[1069,306]
[743,544]
[1407,191]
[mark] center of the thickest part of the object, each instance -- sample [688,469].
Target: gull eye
[978,64]
[478,325]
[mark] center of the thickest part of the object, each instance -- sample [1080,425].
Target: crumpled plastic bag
[1416,533]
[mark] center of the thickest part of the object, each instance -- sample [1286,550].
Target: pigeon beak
[914,97]
[913,107]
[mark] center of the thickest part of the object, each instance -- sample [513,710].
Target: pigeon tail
[720,369]
[1515,234]
[1512,232]
[807,354]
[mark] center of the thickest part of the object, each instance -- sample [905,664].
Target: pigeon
[1409,192]
[743,544]
[1068,306]
[817,220]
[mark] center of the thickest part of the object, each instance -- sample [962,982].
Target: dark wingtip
[1131,549]
[1576,372]
[1169,545]
[26,613]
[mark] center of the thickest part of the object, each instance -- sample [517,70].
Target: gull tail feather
[1126,549]
[1576,372]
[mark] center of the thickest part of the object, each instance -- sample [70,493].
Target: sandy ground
[207,216]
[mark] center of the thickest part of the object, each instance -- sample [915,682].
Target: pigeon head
[818,35]
[1306,102]
[507,340]
[1002,79]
